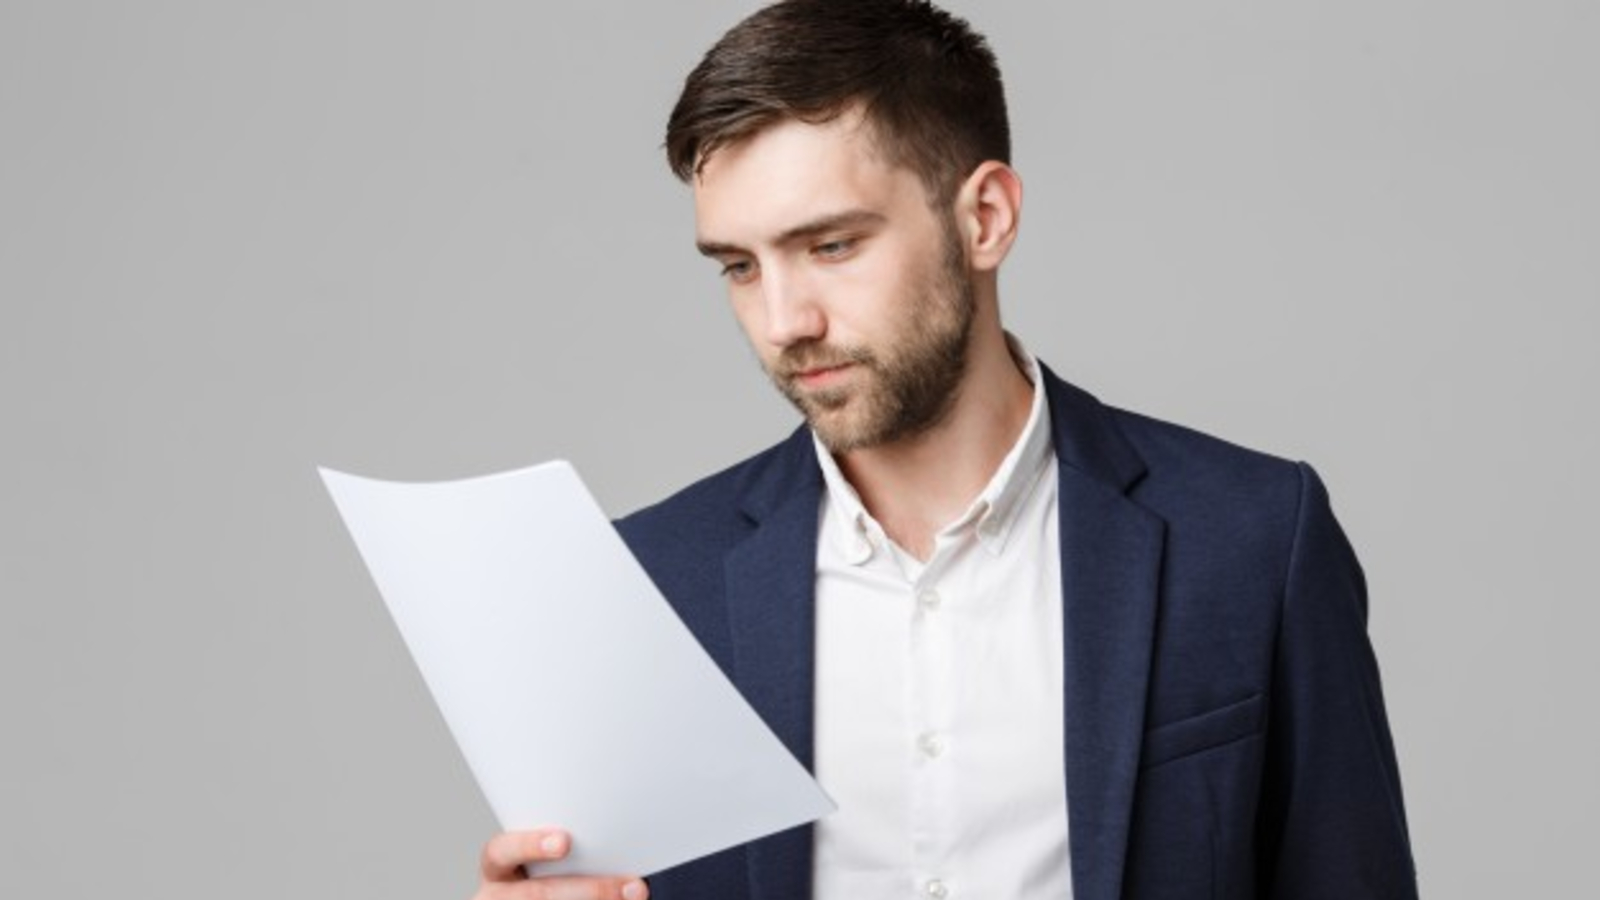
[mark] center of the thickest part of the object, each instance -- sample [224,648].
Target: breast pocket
[1206,731]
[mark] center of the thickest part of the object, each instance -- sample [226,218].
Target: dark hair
[928,84]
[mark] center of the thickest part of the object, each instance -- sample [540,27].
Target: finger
[563,887]
[505,853]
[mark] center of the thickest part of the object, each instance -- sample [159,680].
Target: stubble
[908,387]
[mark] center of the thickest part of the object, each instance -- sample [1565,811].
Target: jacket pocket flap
[1223,725]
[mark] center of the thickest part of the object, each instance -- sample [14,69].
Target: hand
[504,878]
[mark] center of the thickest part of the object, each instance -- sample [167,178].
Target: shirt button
[929,600]
[936,889]
[930,745]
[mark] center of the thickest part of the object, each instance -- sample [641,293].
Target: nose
[793,311]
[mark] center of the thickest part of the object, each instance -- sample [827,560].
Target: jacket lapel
[1111,552]
[770,579]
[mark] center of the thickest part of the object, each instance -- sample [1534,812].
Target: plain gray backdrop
[421,241]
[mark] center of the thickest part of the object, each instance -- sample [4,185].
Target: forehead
[793,172]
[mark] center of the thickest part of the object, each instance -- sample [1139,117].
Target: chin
[835,433]
[842,434]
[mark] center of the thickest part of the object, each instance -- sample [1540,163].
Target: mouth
[821,376]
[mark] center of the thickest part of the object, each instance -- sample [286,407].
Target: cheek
[874,300]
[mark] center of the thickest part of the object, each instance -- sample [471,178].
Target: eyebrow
[854,218]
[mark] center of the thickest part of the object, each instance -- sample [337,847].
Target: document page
[577,696]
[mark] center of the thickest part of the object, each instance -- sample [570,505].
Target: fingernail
[552,843]
[633,890]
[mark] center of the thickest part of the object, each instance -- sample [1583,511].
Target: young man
[1034,646]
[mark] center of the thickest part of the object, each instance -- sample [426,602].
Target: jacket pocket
[1205,731]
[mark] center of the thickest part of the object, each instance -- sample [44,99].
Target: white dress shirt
[939,701]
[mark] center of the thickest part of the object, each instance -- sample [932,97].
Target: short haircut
[928,85]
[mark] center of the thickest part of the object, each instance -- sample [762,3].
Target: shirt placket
[929,744]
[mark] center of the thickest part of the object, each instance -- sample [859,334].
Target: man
[1032,645]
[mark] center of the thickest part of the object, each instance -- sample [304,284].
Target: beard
[907,388]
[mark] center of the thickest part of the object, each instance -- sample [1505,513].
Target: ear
[988,211]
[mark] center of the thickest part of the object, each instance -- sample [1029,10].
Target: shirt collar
[992,512]
[855,532]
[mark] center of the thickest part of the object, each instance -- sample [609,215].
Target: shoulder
[1181,459]
[1170,468]
[684,536]
[1215,491]
[719,500]
[1238,518]
[1219,500]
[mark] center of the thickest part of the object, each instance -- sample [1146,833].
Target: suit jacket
[1225,728]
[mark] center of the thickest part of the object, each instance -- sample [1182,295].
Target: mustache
[811,355]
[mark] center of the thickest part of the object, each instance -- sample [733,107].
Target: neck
[915,486]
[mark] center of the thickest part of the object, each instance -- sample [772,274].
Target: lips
[813,366]
[821,370]
[817,376]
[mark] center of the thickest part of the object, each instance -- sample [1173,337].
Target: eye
[835,249]
[739,271]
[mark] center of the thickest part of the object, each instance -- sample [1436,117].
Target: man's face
[853,292]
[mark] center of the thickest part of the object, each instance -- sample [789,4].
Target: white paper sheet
[577,696]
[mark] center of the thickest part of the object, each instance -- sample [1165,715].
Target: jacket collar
[1087,439]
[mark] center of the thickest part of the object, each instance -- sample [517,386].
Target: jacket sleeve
[1332,821]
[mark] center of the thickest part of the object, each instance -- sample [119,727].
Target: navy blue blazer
[1225,728]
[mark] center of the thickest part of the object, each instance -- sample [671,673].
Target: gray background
[238,240]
